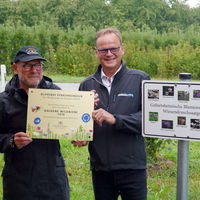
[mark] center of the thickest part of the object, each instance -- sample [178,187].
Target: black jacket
[37,171]
[119,146]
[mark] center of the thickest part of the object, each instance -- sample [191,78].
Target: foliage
[161,15]
[154,145]
[72,52]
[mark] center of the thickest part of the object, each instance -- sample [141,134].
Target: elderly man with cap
[34,168]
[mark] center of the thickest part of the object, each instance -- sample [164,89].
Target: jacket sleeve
[7,143]
[129,123]
[132,122]
[6,139]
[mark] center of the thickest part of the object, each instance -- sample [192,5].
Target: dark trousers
[130,184]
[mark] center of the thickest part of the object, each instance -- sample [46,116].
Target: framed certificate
[60,114]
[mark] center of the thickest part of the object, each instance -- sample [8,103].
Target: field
[161,173]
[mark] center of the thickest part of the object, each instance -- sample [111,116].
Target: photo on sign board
[196,93]
[153,94]
[195,123]
[153,116]
[181,121]
[168,91]
[167,124]
[183,95]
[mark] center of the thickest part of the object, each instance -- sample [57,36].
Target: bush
[153,146]
[72,52]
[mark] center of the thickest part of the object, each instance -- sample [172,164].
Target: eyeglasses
[28,66]
[114,50]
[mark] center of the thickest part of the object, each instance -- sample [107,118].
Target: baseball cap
[28,53]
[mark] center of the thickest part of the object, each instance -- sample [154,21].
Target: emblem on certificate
[60,114]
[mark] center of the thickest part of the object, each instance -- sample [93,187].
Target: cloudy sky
[193,3]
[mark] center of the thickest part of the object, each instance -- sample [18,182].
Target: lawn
[57,78]
[161,174]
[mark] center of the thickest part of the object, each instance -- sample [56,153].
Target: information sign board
[171,110]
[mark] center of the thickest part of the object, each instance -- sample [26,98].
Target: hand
[79,143]
[101,116]
[96,98]
[22,139]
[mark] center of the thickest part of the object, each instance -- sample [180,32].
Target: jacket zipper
[107,109]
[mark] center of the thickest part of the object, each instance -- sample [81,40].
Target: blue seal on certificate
[86,117]
[37,120]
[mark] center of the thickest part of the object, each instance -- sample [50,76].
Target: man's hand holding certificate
[55,114]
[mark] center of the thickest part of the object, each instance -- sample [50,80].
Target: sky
[193,3]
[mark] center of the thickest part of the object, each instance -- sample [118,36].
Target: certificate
[59,114]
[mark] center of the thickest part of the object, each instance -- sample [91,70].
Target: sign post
[3,77]
[183,158]
[182,170]
[172,110]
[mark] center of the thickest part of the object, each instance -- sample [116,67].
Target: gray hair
[108,31]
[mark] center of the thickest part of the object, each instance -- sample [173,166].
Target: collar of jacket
[14,83]
[97,74]
[12,88]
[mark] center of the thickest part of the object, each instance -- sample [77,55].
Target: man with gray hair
[117,152]
[34,168]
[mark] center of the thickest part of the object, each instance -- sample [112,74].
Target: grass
[59,78]
[161,174]
[78,169]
